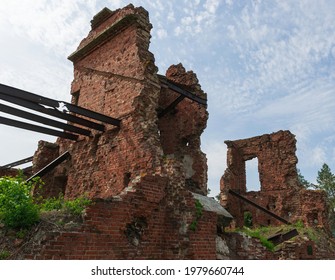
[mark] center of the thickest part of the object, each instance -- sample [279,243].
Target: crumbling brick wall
[115,74]
[46,153]
[180,130]
[280,190]
[141,174]
[143,224]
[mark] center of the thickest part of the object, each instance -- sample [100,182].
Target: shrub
[75,206]
[198,215]
[247,219]
[257,233]
[4,255]
[17,208]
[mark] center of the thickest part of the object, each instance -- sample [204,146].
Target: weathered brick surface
[149,223]
[280,191]
[242,247]
[117,79]
[181,129]
[45,154]
[139,175]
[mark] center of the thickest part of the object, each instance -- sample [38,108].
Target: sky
[265,65]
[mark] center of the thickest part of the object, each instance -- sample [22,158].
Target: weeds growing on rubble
[19,209]
[258,233]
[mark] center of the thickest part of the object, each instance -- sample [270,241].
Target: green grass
[259,233]
[20,210]
[75,206]
[4,255]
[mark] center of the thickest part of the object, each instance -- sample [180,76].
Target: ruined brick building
[280,190]
[146,175]
[143,176]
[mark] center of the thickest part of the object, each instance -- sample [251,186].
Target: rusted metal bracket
[183,94]
[50,166]
[51,107]
[16,163]
[259,207]
[282,237]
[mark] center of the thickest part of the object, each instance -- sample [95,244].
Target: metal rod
[50,166]
[171,106]
[37,128]
[259,207]
[173,86]
[282,237]
[22,94]
[40,119]
[16,163]
[52,112]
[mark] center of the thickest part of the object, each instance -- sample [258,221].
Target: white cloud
[276,46]
[229,2]
[211,6]
[318,156]
[54,24]
[161,33]
[266,65]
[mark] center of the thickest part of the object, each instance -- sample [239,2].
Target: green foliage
[299,224]
[17,208]
[21,233]
[198,215]
[247,219]
[4,255]
[303,181]
[258,233]
[326,181]
[193,225]
[75,206]
[198,209]
[311,233]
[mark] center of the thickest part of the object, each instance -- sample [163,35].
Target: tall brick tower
[146,174]
[115,75]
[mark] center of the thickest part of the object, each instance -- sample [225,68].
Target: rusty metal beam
[37,128]
[43,120]
[52,112]
[50,166]
[282,237]
[171,106]
[16,163]
[175,87]
[259,207]
[28,96]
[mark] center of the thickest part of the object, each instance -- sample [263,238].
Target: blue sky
[265,65]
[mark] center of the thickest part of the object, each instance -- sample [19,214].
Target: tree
[303,181]
[326,181]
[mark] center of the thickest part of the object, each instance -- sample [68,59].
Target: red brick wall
[117,78]
[180,129]
[280,191]
[149,223]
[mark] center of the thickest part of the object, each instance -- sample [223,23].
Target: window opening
[252,175]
